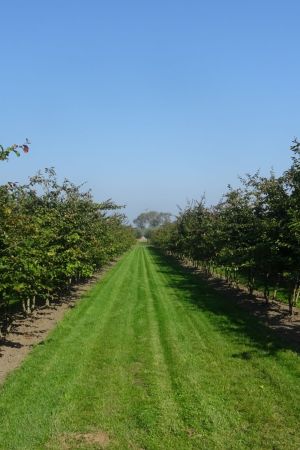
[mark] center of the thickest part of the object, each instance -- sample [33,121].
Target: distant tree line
[148,221]
[252,234]
[52,235]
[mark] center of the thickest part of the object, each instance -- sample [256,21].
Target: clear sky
[150,102]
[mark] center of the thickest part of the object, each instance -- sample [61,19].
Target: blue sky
[150,102]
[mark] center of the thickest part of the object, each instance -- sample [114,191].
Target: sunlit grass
[152,358]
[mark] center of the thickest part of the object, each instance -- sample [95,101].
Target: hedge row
[253,233]
[52,235]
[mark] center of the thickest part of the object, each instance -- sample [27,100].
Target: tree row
[252,235]
[52,235]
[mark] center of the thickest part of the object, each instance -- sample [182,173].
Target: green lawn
[152,358]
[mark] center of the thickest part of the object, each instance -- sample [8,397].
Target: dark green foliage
[52,235]
[253,233]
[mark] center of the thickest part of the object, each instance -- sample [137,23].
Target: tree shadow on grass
[233,312]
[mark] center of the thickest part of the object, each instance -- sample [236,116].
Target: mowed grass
[153,358]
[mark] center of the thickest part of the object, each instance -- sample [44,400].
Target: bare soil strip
[30,331]
[274,315]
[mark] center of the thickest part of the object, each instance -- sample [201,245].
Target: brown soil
[98,439]
[275,315]
[26,332]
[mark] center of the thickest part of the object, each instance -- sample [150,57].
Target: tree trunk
[267,290]
[7,321]
[292,297]
[28,305]
[24,308]
[33,303]
[267,295]
[290,305]
[297,296]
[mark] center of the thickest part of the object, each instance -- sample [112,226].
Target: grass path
[152,358]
